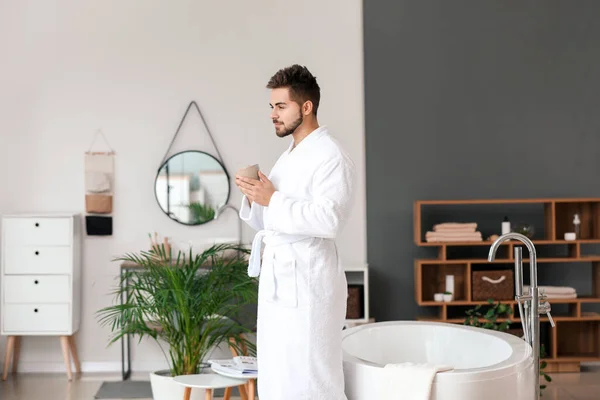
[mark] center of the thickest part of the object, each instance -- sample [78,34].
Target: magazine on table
[237,365]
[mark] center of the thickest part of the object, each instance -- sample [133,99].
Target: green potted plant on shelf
[189,304]
[489,320]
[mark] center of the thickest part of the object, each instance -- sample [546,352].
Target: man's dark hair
[301,83]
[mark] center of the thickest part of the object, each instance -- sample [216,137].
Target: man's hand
[259,191]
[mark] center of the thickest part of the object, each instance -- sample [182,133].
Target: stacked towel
[456,227]
[411,381]
[555,292]
[454,232]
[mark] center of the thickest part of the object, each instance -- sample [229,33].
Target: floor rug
[125,390]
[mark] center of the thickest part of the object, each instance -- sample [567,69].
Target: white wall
[131,68]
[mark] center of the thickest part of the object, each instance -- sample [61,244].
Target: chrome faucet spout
[527,242]
[529,303]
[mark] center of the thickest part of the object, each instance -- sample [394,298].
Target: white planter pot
[163,388]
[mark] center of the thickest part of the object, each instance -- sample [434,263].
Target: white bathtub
[487,364]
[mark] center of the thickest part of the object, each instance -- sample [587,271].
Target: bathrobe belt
[270,239]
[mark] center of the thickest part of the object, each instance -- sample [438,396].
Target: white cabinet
[41,281]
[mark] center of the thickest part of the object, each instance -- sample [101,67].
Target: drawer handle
[36,281]
[37,224]
[37,253]
[35,310]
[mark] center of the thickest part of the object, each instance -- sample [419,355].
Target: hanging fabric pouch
[98,203]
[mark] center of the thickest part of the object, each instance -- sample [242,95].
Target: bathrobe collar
[314,135]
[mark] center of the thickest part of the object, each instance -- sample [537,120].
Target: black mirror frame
[191,151]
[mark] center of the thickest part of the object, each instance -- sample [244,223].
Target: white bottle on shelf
[450,283]
[576,224]
[505,226]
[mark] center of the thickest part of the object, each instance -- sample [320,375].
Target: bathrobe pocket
[283,283]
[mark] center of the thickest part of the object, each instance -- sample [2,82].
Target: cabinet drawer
[32,318]
[37,289]
[38,260]
[37,231]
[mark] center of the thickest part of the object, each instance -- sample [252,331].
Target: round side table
[248,390]
[208,382]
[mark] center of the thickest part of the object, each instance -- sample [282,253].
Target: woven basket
[497,285]
[354,309]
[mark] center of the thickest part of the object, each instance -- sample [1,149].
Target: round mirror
[191,186]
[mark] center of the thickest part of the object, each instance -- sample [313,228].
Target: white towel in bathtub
[410,381]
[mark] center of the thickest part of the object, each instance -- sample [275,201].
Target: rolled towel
[553,289]
[455,226]
[411,381]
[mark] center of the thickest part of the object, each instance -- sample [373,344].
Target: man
[298,210]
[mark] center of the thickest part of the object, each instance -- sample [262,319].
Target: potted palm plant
[189,304]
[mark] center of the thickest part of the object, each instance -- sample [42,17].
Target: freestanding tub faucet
[529,310]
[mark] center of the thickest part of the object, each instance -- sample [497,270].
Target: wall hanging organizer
[99,189]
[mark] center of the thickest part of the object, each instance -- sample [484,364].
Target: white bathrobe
[302,287]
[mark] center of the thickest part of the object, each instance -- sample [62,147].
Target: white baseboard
[89,367]
[115,367]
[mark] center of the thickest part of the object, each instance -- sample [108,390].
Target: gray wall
[474,99]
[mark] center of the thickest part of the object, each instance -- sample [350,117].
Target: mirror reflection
[191,186]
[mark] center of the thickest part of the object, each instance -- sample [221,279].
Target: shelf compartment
[578,339]
[582,300]
[589,214]
[589,309]
[431,279]
[591,258]
[487,214]
[478,253]
[458,313]
[564,310]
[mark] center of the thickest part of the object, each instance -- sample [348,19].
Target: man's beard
[292,128]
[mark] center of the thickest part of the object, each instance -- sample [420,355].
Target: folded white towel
[452,226]
[561,296]
[411,381]
[454,239]
[553,289]
[453,236]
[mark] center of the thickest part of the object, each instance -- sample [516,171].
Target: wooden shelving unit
[576,338]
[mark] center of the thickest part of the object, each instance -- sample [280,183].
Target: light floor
[565,386]
[56,387]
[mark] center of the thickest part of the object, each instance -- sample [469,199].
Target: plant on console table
[191,303]
[489,320]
